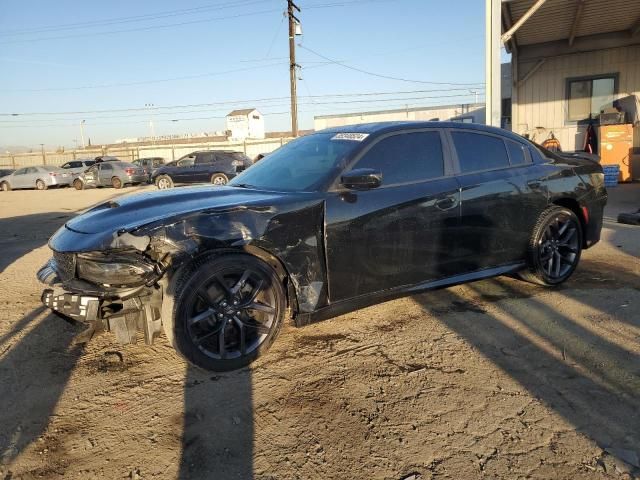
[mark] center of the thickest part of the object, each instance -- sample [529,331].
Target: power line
[140,29]
[342,64]
[311,102]
[143,82]
[236,102]
[130,19]
[190,22]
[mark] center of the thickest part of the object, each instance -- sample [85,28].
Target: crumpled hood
[133,211]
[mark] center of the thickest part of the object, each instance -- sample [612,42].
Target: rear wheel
[78,184]
[40,185]
[164,182]
[219,179]
[554,248]
[227,311]
[116,182]
[5,187]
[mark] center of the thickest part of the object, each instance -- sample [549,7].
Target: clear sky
[67,56]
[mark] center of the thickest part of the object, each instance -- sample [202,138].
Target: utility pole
[82,132]
[151,128]
[293,21]
[44,157]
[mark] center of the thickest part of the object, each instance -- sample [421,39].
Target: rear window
[477,152]
[517,155]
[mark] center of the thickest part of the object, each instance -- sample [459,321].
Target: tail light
[53,174]
[130,171]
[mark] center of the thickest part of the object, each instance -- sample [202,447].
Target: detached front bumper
[122,313]
[78,307]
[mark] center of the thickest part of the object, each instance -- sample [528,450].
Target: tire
[219,179]
[40,185]
[116,183]
[202,321]
[78,184]
[5,187]
[554,248]
[164,182]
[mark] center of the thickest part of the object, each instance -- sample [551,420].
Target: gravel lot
[495,379]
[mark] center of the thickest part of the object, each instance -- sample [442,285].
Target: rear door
[399,233]
[105,172]
[204,167]
[500,198]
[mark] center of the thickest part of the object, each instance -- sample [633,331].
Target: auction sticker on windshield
[356,137]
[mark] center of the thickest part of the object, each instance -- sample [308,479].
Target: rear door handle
[533,184]
[445,203]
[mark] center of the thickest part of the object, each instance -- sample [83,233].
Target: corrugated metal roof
[553,21]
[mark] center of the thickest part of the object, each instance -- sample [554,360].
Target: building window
[588,96]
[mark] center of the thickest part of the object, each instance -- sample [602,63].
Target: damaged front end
[114,290]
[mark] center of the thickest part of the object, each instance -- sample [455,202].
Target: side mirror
[361,179]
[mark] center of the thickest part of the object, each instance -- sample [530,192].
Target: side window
[67,165]
[105,167]
[186,161]
[204,159]
[89,163]
[32,170]
[517,154]
[477,151]
[21,171]
[406,157]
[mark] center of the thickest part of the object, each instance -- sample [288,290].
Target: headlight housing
[115,269]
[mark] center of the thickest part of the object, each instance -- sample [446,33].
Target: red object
[53,174]
[130,171]
[585,213]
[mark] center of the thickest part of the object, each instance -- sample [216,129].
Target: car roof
[215,151]
[378,128]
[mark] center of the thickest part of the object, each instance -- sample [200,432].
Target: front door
[19,178]
[500,199]
[401,233]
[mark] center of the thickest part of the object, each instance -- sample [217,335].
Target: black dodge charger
[329,223]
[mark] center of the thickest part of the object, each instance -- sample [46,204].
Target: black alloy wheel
[555,248]
[229,311]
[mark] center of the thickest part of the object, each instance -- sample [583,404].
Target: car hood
[131,212]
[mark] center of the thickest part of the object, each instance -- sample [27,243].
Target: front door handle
[446,203]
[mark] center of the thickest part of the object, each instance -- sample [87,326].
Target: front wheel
[164,182]
[219,179]
[554,248]
[227,311]
[40,185]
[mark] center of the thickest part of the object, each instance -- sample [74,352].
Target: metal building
[570,60]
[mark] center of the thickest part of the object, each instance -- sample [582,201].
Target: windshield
[300,165]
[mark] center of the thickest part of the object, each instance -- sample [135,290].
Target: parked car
[77,166]
[149,164]
[329,223]
[110,174]
[107,158]
[216,167]
[40,178]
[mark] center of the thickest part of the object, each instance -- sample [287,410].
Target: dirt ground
[495,379]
